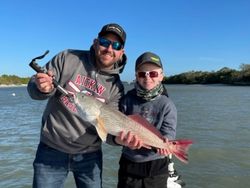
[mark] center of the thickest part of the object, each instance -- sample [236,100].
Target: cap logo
[155,59]
[114,28]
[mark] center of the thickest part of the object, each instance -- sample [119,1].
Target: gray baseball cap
[148,57]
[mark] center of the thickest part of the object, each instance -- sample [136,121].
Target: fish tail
[179,149]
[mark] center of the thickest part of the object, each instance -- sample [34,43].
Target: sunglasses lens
[105,43]
[151,74]
[141,74]
[117,45]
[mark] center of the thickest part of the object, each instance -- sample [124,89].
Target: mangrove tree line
[222,76]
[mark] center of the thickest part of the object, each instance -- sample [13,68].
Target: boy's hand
[163,151]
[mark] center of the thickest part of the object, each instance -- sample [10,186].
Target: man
[67,142]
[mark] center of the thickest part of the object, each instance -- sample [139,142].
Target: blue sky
[199,35]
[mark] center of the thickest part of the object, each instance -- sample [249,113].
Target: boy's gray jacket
[160,112]
[62,127]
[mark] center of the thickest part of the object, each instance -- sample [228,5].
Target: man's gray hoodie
[75,70]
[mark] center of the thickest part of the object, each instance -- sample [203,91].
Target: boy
[148,168]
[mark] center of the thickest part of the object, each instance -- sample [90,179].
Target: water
[215,117]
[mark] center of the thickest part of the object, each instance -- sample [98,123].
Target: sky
[188,35]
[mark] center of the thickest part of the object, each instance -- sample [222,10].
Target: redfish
[110,121]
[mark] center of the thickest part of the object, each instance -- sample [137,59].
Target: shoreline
[12,85]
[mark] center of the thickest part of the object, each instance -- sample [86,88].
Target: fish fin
[100,128]
[143,122]
[179,149]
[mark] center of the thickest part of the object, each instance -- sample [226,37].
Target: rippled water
[217,118]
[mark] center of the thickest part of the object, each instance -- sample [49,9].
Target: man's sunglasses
[151,74]
[105,43]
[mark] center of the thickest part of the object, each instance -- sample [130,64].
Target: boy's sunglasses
[151,74]
[105,43]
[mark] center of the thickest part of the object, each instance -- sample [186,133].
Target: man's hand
[130,140]
[44,82]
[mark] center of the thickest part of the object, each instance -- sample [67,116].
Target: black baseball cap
[148,57]
[115,29]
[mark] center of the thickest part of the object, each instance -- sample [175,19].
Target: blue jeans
[51,168]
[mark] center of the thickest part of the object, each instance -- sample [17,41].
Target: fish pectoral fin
[100,128]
